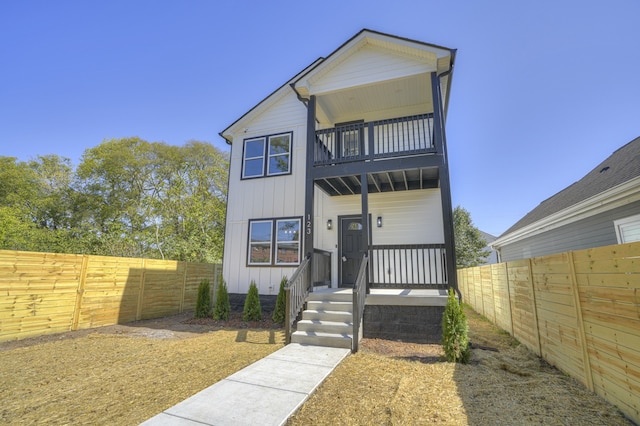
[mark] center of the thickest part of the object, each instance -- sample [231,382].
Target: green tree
[222,307]
[279,313]
[455,331]
[470,246]
[154,200]
[203,303]
[252,309]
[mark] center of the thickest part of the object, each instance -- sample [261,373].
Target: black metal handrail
[359,297]
[374,140]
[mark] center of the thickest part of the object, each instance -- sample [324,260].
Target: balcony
[395,154]
[375,140]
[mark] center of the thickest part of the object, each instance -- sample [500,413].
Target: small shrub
[279,314]
[203,303]
[455,331]
[222,307]
[252,310]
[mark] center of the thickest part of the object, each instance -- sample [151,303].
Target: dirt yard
[125,374]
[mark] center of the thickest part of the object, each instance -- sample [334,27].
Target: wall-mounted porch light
[379,222]
[329,224]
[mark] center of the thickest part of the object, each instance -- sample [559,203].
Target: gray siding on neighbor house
[594,231]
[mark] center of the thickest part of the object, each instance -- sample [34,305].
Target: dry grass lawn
[392,383]
[122,375]
[123,378]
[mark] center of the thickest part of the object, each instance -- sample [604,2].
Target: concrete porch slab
[407,297]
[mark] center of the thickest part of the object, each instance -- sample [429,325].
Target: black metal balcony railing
[374,140]
[408,266]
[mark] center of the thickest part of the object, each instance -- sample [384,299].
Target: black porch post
[445,185]
[309,185]
[366,226]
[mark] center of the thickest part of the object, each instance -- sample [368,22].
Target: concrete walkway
[267,392]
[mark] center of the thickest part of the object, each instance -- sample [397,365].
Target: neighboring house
[345,159]
[602,208]
[493,255]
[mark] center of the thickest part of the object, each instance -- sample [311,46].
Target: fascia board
[615,197]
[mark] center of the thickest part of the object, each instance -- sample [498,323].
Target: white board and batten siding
[267,197]
[408,217]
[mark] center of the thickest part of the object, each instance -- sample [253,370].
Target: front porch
[340,317]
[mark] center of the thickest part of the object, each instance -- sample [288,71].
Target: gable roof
[263,104]
[620,167]
[443,55]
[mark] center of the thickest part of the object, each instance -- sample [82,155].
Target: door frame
[340,219]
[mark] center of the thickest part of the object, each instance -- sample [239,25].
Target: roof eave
[622,194]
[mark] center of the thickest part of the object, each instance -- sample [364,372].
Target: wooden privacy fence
[579,310]
[42,293]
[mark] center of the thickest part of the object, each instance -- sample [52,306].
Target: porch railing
[373,140]
[296,292]
[408,266]
[321,268]
[359,296]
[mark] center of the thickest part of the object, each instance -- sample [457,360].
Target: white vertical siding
[408,217]
[268,197]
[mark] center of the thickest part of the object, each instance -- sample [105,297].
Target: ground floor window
[274,242]
[628,229]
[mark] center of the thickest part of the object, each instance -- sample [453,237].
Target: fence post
[184,285]
[534,307]
[581,334]
[506,274]
[140,292]
[287,317]
[80,292]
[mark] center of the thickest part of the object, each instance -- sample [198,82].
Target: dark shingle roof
[622,166]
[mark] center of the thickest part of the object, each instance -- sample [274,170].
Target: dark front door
[351,249]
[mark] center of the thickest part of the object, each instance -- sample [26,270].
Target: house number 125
[308,224]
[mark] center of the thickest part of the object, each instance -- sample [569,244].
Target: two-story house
[339,180]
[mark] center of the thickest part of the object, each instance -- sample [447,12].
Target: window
[267,156]
[627,229]
[260,242]
[265,234]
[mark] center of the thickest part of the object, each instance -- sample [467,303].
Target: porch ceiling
[412,95]
[399,180]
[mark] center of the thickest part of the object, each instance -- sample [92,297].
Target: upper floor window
[267,156]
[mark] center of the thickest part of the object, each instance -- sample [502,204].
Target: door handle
[344,258]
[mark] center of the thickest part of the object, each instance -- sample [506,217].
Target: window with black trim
[274,242]
[267,156]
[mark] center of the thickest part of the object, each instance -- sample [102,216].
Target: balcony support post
[445,185]
[309,183]
[366,224]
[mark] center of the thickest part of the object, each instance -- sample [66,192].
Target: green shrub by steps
[222,307]
[252,310]
[203,303]
[455,331]
[279,314]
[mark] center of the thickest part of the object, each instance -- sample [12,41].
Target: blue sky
[542,91]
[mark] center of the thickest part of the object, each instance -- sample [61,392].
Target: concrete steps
[327,321]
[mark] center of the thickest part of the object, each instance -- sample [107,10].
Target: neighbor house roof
[608,177]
